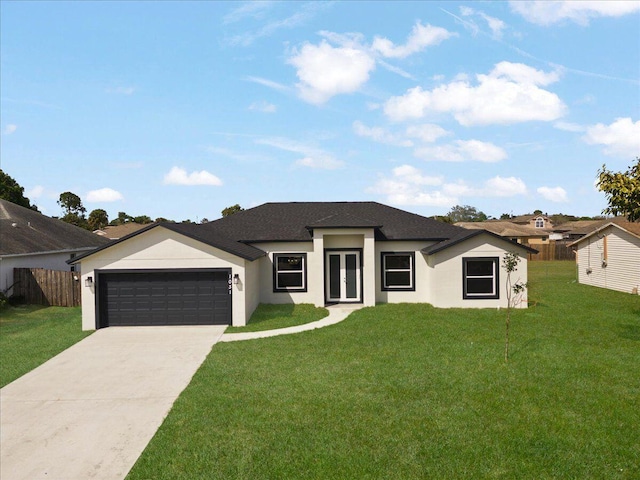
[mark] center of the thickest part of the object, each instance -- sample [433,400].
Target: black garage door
[188,297]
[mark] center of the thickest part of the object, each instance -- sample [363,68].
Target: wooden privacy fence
[39,286]
[558,250]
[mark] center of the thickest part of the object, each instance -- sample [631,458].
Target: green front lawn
[410,391]
[271,317]
[30,335]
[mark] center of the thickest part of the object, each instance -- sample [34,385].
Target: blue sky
[179,109]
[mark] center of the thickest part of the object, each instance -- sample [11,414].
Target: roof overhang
[241,250]
[445,244]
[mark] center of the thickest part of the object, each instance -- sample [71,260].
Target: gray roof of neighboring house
[114,232]
[295,221]
[467,234]
[24,231]
[620,222]
[505,228]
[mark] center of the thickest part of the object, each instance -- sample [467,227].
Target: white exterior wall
[160,248]
[326,238]
[622,270]
[447,287]
[423,273]
[50,261]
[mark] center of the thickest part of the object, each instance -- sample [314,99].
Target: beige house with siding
[321,253]
[609,257]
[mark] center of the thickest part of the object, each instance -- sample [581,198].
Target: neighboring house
[524,234]
[535,221]
[114,232]
[303,252]
[29,239]
[579,228]
[609,257]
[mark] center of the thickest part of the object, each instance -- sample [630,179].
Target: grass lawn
[271,317]
[30,335]
[410,391]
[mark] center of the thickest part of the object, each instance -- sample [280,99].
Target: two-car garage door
[186,297]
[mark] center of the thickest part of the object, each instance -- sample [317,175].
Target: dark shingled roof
[295,221]
[24,231]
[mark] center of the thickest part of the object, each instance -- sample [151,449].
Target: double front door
[343,281]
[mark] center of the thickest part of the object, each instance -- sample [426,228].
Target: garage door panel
[165,298]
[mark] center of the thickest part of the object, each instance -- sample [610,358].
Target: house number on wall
[230,283]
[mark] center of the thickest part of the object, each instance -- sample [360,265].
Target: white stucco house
[300,252]
[29,239]
[609,257]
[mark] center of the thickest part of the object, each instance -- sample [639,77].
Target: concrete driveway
[89,412]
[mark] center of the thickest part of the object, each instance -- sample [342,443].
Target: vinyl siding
[622,270]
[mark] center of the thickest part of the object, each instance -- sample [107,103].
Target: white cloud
[504,187]
[509,94]
[462,150]
[263,106]
[427,132]
[246,10]
[306,12]
[621,138]
[412,175]
[406,186]
[268,83]
[546,12]
[35,192]
[553,194]
[312,157]
[380,135]
[421,37]
[495,24]
[325,71]
[104,195]
[179,176]
[9,129]
[569,127]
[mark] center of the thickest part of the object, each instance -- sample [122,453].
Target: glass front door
[343,281]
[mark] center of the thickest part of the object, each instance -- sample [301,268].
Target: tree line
[622,190]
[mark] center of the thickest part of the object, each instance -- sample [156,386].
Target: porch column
[369,269]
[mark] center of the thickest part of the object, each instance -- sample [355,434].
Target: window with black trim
[480,278]
[398,271]
[289,272]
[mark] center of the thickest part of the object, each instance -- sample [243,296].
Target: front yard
[409,391]
[30,335]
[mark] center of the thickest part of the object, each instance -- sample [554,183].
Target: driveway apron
[89,412]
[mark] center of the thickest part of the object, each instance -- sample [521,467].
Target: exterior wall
[51,261]
[325,238]
[423,273]
[622,270]
[160,248]
[447,287]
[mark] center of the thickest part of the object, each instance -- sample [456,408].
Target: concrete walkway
[89,412]
[337,313]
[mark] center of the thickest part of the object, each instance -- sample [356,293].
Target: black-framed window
[398,271]
[480,278]
[289,272]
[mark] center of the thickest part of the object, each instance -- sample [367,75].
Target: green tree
[506,216]
[12,192]
[466,213]
[142,219]
[622,190]
[122,219]
[98,219]
[231,210]
[74,211]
